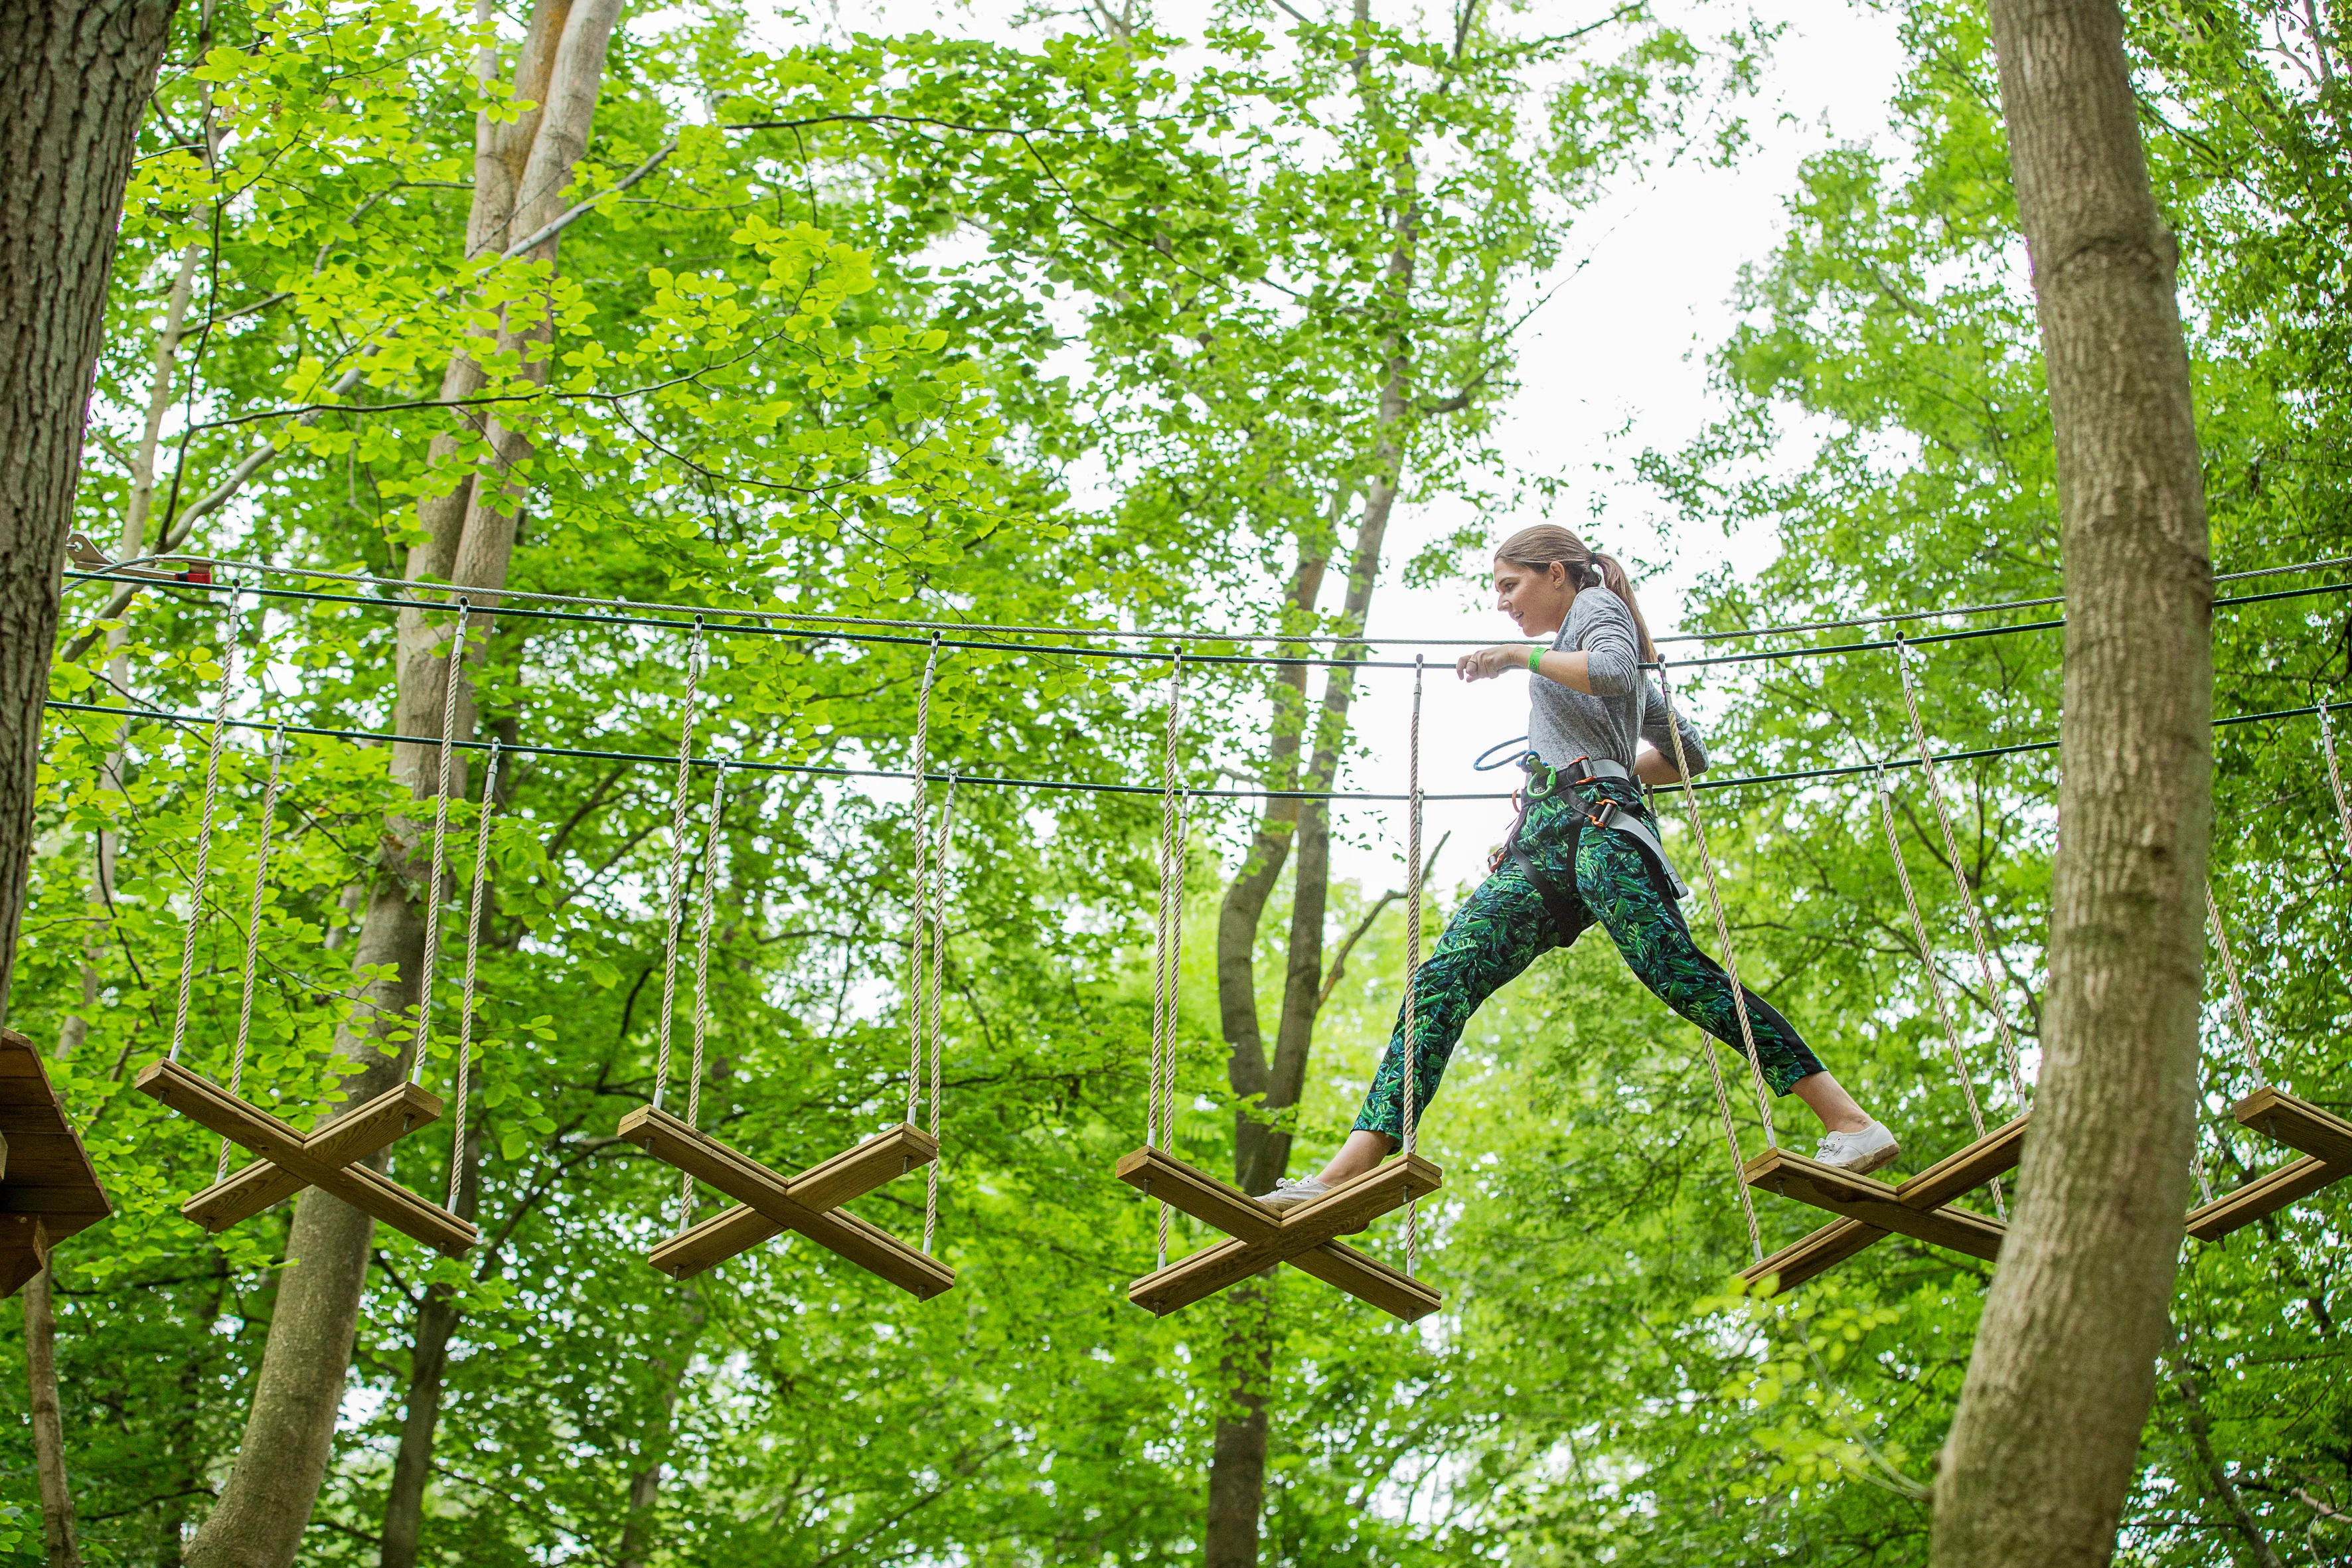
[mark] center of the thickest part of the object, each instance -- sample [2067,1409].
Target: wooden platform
[767,1205]
[1870,1210]
[49,1189]
[288,1161]
[1304,1238]
[2325,1140]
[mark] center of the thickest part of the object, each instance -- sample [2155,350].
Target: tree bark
[1237,1459]
[644,1485]
[428,1366]
[522,171]
[48,1423]
[74,79]
[2042,1449]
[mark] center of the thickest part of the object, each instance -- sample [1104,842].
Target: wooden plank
[1159,1174]
[1816,1252]
[48,1171]
[769,1206]
[349,1138]
[2299,1124]
[1392,1291]
[1344,1210]
[853,1172]
[1967,1168]
[24,1244]
[1873,1202]
[209,1105]
[2265,1194]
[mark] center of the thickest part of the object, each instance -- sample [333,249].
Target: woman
[1583,850]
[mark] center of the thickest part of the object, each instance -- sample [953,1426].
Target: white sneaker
[1290,1193]
[1859,1152]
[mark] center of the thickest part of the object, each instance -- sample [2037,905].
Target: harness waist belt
[1611,816]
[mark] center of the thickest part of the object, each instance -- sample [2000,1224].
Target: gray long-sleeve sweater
[1624,705]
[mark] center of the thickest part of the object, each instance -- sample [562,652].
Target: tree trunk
[1237,1459]
[263,1510]
[74,79]
[2042,1449]
[644,1485]
[428,1365]
[48,1423]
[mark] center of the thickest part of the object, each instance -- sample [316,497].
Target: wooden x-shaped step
[767,1205]
[328,1159]
[1871,1210]
[2325,1140]
[1304,1238]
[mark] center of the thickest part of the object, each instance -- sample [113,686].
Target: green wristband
[1535,658]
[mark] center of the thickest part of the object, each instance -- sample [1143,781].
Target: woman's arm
[1570,669]
[1653,766]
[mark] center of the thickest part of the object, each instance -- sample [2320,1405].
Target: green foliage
[1094,330]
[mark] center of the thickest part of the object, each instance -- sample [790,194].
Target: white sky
[1621,346]
[1614,362]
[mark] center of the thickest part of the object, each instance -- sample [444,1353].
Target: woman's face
[1536,597]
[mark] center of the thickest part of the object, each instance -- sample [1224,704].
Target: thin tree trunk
[2042,1451]
[74,79]
[521,170]
[2217,1484]
[644,1485]
[428,1366]
[48,1423]
[1237,1457]
[1262,1153]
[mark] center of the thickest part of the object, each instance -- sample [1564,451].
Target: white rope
[253,934]
[701,985]
[676,885]
[1159,1113]
[1992,990]
[920,817]
[2237,993]
[1413,970]
[2334,773]
[205,831]
[474,900]
[938,990]
[1722,925]
[449,680]
[1935,976]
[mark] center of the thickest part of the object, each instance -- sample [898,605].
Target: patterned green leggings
[1505,926]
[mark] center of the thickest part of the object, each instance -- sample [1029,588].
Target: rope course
[768,1203]
[286,1160]
[407,593]
[1256,1238]
[2323,1138]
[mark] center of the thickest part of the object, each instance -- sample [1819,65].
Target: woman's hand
[1489,662]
